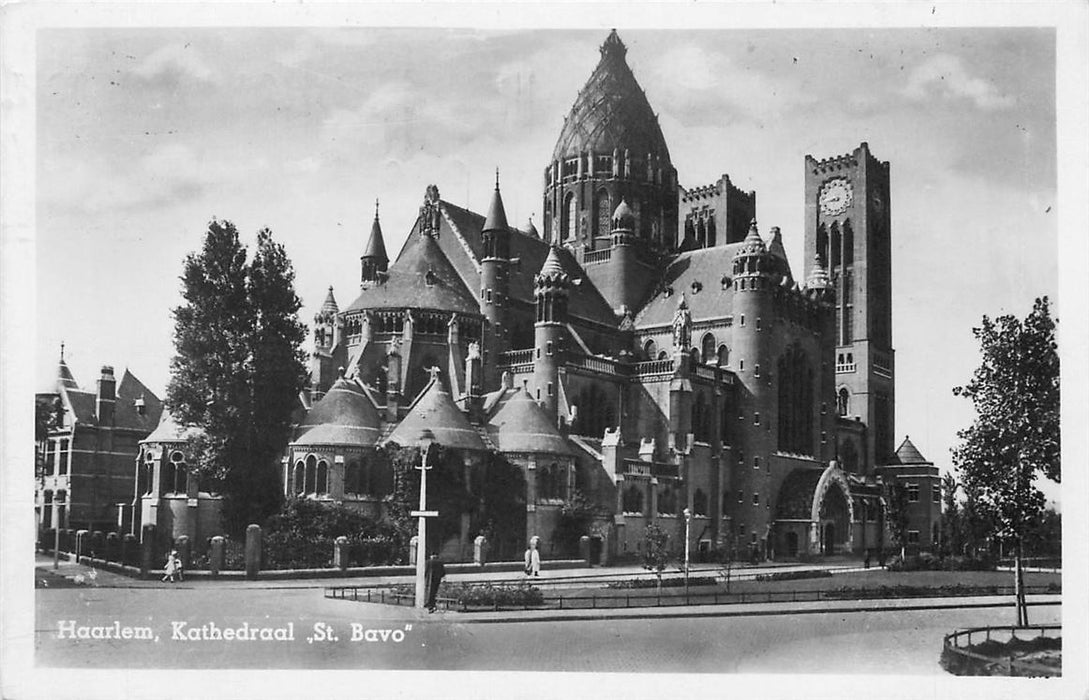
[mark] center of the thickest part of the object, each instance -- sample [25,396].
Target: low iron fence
[647,598]
[959,657]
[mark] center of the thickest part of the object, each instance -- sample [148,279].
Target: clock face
[835,196]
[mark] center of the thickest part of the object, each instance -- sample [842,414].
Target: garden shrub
[794,575]
[483,594]
[303,533]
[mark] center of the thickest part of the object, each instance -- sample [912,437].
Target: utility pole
[427,441]
[687,545]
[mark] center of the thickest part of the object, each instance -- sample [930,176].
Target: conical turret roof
[434,410]
[497,216]
[521,425]
[753,243]
[622,216]
[344,416]
[818,276]
[330,303]
[552,266]
[907,453]
[612,112]
[531,229]
[64,376]
[376,244]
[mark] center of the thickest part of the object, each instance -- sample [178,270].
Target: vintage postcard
[679,343]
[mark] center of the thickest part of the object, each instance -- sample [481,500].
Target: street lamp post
[427,440]
[687,545]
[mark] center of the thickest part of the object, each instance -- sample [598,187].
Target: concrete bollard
[97,548]
[83,540]
[128,548]
[113,547]
[480,550]
[217,555]
[184,551]
[340,553]
[584,550]
[253,551]
[412,549]
[147,550]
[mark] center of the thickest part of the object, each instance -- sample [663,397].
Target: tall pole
[421,533]
[687,546]
[56,533]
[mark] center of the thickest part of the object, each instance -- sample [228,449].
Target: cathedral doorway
[792,544]
[828,541]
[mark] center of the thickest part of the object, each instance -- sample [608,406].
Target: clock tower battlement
[848,227]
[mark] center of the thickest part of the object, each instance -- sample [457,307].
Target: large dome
[611,112]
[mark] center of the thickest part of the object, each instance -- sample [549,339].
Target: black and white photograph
[403,349]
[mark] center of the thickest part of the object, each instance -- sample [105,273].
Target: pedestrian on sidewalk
[867,560]
[173,566]
[533,557]
[434,571]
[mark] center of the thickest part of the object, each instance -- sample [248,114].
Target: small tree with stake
[1015,437]
[656,553]
[896,514]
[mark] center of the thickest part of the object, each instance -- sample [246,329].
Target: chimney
[107,396]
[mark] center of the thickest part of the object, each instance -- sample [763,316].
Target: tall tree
[896,513]
[950,518]
[1015,436]
[238,366]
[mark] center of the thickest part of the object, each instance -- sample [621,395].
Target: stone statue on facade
[682,325]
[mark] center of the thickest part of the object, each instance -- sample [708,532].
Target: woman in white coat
[533,558]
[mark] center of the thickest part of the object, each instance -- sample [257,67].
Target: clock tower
[847,226]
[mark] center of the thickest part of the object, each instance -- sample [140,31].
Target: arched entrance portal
[828,540]
[832,514]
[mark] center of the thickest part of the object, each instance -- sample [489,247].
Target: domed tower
[551,289]
[754,273]
[495,284]
[611,148]
[374,262]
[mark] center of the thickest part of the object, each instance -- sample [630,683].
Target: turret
[374,262]
[325,324]
[551,289]
[495,281]
[107,396]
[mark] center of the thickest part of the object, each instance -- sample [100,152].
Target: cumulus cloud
[173,62]
[945,75]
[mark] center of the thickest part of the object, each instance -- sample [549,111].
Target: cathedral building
[650,348]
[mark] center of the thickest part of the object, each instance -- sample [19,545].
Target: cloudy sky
[144,135]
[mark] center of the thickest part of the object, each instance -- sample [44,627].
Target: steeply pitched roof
[64,376]
[434,410]
[907,453]
[376,244]
[611,111]
[585,301]
[130,390]
[422,277]
[168,430]
[523,426]
[345,415]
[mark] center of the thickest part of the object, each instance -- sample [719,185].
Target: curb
[732,611]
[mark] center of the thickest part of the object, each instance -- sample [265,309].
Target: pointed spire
[613,46]
[64,375]
[622,216]
[330,304]
[497,216]
[531,229]
[818,276]
[552,266]
[376,245]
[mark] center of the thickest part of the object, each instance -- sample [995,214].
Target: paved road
[843,642]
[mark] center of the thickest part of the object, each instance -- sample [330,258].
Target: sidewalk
[555,578]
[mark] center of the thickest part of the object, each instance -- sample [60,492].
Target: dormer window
[697,286]
[430,278]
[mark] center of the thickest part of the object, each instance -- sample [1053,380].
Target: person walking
[173,566]
[434,572]
[533,558]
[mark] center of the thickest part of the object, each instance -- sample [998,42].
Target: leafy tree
[896,513]
[502,511]
[447,492]
[44,415]
[576,516]
[1015,436]
[238,367]
[656,554]
[950,518]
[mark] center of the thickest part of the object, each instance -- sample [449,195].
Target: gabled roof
[130,390]
[434,410]
[169,430]
[907,453]
[345,415]
[422,277]
[523,426]
[585,301]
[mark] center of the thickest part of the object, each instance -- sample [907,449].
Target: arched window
[708,346]
[47,509]
[147,474]
[663,355]
[300,478]
[351,478]
[843,402]
[321,486]
[649,349]
[711,233]
[175,473]
[667,499]
[699,502]
[633,499]
[570,214]
[694,353]
[602,218]
[311,474]
[723,356]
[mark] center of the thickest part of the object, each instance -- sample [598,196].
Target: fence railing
[670,596]
[952,647]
